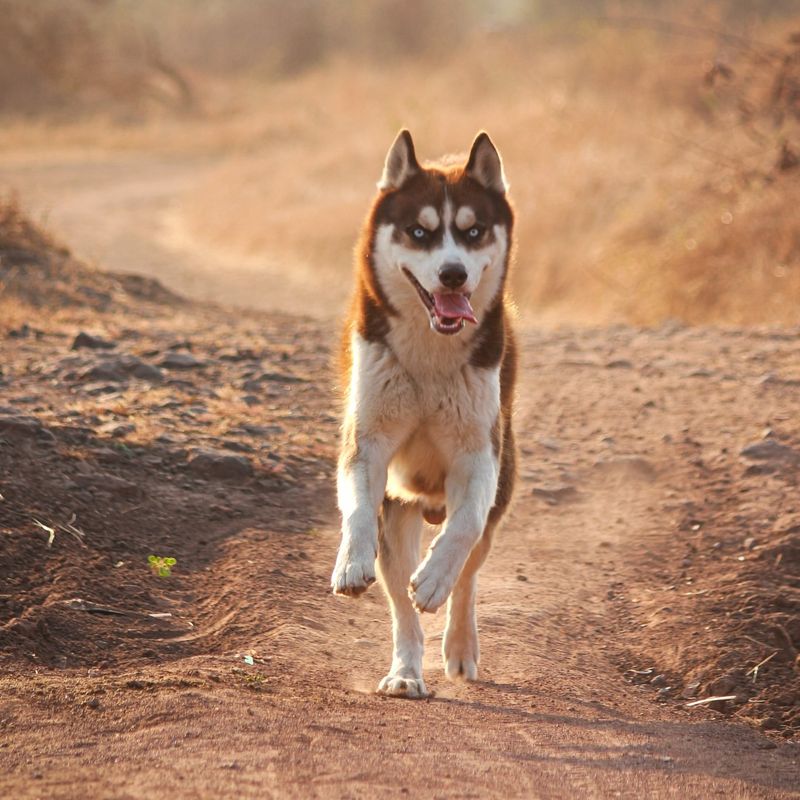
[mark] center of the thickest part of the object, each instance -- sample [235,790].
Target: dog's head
[441,234]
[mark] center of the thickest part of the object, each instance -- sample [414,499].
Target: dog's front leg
[470,490]
[361,485]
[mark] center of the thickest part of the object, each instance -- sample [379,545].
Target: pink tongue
[453,306]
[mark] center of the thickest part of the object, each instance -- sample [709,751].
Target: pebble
[281,377]
[556,493]
[23,427]
[108,483]
[180,361]
[628,466]
[214,464]
[117,430]
[148,372]
[771,451]
[91,342]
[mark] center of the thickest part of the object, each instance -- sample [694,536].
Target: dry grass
[640,196]
[642,192]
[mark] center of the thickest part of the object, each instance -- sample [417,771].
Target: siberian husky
[429,364]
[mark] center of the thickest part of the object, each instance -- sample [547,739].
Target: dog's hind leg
[398,556]
[460,650]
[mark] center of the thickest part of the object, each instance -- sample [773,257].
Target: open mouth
[447,310]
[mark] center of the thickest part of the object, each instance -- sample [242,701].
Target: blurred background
[231,147]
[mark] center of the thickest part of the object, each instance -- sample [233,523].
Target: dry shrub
[61,56]
[36,272]
[642,192]
[653,166]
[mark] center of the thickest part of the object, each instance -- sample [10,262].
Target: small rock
[117,430]
[723,685]
[23,332]
[556,493]
[148,372]
[91,342]
[766,744]
[262,430]
[549,443]
[213,464]
[760,469]
[109,483]
[237,447]
[771,379]
[23,427]
[239,354]
[112,369]
[619,363]
[95,389]
[103,372]
[749,543]
[770,724]
[281,377]
[93,703]
[690,690]
[770,450]
[174,360]
[658,681]
[627,466]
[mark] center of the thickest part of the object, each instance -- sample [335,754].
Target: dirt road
[123,213]
[583,583]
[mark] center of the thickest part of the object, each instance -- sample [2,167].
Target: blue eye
[418,232]
[474,232]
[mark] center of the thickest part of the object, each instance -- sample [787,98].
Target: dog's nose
[453,275]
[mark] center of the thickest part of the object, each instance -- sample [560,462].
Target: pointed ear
[401,162]
[485,165]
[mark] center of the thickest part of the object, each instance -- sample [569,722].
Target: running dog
[429,364]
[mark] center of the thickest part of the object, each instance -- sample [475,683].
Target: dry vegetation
[653,164]
[643,192]
[39,277]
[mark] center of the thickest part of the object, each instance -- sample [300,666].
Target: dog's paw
[460,656]
[429,588]
[397,686]
[353,575]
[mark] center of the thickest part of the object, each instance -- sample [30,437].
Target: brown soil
[642,544]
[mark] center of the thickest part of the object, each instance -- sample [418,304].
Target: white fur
[428,217]
[417,408]
[465,218]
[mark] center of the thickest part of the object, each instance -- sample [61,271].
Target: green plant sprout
[161,566]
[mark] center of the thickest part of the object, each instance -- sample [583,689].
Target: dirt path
[122,212]
[94,706]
